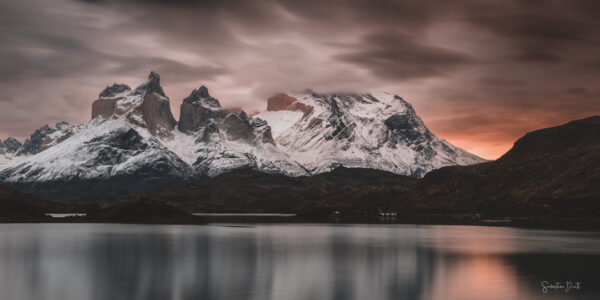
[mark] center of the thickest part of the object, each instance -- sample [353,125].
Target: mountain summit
[377,131]
[133,142]
[146,106]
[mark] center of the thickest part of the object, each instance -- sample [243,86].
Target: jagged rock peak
[244,116]
[62,125]
[203,92]
[150,86]
[198,109]
[10,145]
[46,137]
[201,96]
[113,90]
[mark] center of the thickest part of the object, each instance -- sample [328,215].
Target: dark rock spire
[198,109]
[201,96]
[115,89]
[151,86]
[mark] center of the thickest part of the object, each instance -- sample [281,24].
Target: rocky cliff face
[10,146]
[12,151]
[46,137]
[198,109]
[147,105]
[241,142]
[214,140]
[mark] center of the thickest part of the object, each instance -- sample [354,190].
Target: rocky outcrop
[156,112]
[237,127]
[286,102]
[403,125]
[104,107]
[46,137]
[209,133]
[198,109]
[114,90]
[9,146]
[151,86]
[241,127]
[147,106]
[343,129]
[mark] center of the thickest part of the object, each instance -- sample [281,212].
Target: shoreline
[548,224]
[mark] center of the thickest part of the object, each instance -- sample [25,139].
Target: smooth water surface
[114,261]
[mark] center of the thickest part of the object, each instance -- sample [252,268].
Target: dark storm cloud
[479,72]
[576,91]
[535,38]
[397,56]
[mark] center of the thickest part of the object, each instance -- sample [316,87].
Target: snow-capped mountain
[134,142]
[120,140]
[214,141]
[133,134]
[377,131]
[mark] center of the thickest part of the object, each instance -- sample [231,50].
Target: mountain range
[310,154]
[134,144]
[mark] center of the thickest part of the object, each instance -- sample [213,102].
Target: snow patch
[280,121]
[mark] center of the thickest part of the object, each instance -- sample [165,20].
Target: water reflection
[99,261]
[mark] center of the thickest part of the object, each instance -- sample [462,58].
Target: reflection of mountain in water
[92,261]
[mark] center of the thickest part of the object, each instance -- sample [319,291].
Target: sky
[479,73]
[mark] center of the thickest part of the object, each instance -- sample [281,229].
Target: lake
[291,261]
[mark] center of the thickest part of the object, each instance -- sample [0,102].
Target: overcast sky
[479,73]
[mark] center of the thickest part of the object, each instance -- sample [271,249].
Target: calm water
[104,261]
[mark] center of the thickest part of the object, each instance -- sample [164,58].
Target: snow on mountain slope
[215,141]
[12,151]
[378,130]
[46,137]
[101,149]
[10,159]
[122,139]
[281,121]
[222,149]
